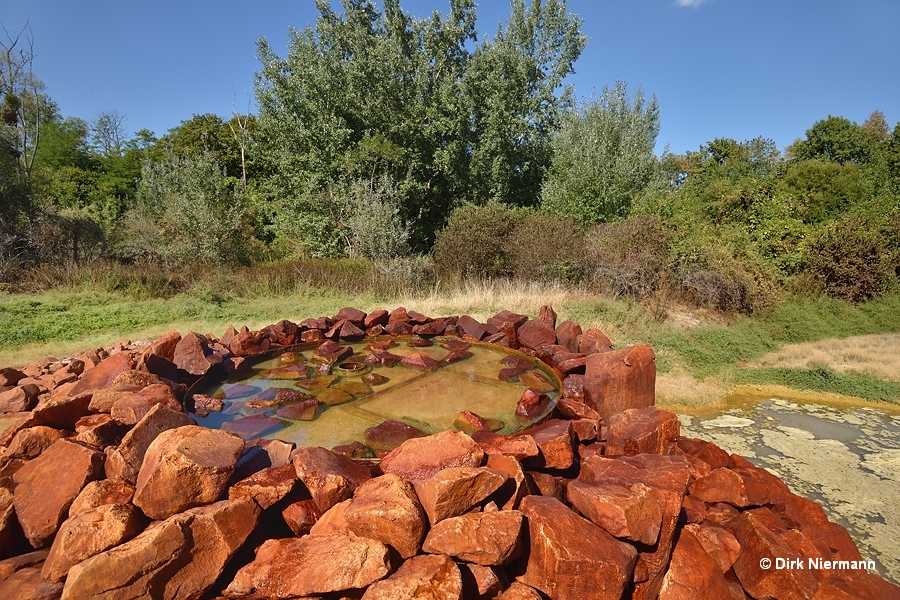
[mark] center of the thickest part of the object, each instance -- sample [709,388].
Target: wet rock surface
[606,497]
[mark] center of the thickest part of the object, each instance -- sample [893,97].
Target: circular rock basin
[331,394]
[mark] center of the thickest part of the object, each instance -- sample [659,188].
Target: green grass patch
[823,379]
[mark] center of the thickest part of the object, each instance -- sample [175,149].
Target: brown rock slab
[718,542]
[721,485]
[389,434]
[510,494]
[125,462]
[631,513]
[593,341]
[30,442]
[354,315]
[455,490]
[27,584]
[420,458]
[556,442]
[520,591]
[18,399]
[531,405]
[89,533]
[185,467]
[103,374]
[180,557]
[647,430]
[266,487]
[100,492]
[535,333]
[485,538]
[193,355]
[570,557]
[41,508]
[428,576]
[692,573]
[517,446]
[387,509]
[311,565]
[10,377]
[620,379]
[482,582]
[567,334]
[300,516]
[329,477]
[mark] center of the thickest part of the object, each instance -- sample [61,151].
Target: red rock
[472,328]
[556,442]
[692,573]
[567,334]
[532,405]
[721,485]
[398,328]
[185,467]
[181,557]
[253,426]
[631,513]
[312,335]
[332,351]
[399,314]
[42,508]
[376,317]
[548,485]
[311,565]
[163,346]
[131,408]
[759,536]
[455,490]
[505,316]
[520,591]
[620,379]
[18,399]
[350,332]
[320,323]
[301,516]
[353,450]
[419,361]
[585,430]
[432,577]
[593,341]
[431,328]
[420,458]
[250,343]
[103,374]
[694,509]
[329,477]
[390,434]
[517,446]
[61,412]
[283,333]
[535,333]
[547,315]
[482,582]
[570,557]
[304,410]
[470,422]
[100,431]
[30,442]
[27,584]
[193,355]
[572,365]
[88,534]
[573,388]
[101,492]
[10,377]
[486,538]
[125,461]
[718,542]
[387,509]
[510,494]
[642,431]
[266,487]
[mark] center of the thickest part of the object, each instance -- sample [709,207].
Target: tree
[371,93]
[108,133]
[603,156]
[835,139]
[25,106]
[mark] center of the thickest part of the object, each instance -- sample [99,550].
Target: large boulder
[420,458]
[185,467]
[692,573]
[485,538]
[47,485]
[620,379]
[429,576]
[329,477]
[126,460]
[647,430]
[455,490]
[387,509]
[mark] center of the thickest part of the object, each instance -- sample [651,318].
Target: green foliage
[368,93]
[603,157]
[833,139]
[373,219]
[823,379]
[547,248]
[187,211]
[630,258]
[474,242]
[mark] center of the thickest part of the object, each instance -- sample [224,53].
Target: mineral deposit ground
[583,489]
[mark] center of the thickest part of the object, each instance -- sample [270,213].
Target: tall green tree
[603,156]
[369,93]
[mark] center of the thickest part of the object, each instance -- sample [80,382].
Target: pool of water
[329,399]
[847,458]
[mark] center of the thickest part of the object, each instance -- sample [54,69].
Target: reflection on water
[847,459]
[329,398]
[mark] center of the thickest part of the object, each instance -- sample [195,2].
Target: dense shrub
[474,242]
[852,260]
[629,258]
[545,247]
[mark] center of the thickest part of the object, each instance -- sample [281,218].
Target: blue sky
[720,68]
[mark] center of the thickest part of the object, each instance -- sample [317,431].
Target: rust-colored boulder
[515,445]
[567,334]
[532,405]
[485,538]
[300,516]
[455,490]
[103,374]
[193,355]
[556,442]
[266,487]
[47,485]
[311,565]
[185,467]
[692,573]
[329,477]
[420,458]
[718,542]
[620,379]
[535,333]
[389,434]
[180,557]
[125,461]
[10,377]
[428,576]
[19,399]
[510,494]
[570,557]
[482,582]
[520,591]
[250,343]
[88,534]
[27,584]
[30,442]
[163,347]
[100,492]
[387,509]
[632,513]
[721,485]
[647,430]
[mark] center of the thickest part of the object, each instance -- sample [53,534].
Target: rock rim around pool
[601,497]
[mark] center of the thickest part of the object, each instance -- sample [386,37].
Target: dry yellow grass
[877,355]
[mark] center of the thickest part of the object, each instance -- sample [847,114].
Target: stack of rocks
[109,489]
